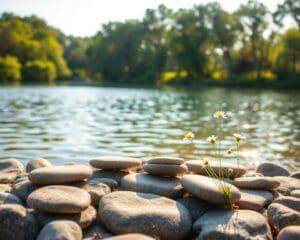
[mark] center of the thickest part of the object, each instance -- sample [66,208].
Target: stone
[289,233]
[272,169]
[36,163]
[23,187]
[115,163]
[129,212]
[165,160]
[208,189]
[10,169]
[296,193]
[196,206]
[8,198]
[139,182]
[95,232]
[295,174]
[254,199]
[84,219]
[197,166]
[5,188]
[264,183]
[291,202]
[281,216]
[131,236]
[59,199]
[165,169]
[60,174]
[232,224]
[17,223]
[60,230]
[252,174]
[287,184]
[115,175]
[112,183]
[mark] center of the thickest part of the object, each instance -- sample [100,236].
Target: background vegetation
[201,45]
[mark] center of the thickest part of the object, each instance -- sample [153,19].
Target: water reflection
[72,124]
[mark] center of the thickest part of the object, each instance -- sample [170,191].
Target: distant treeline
[201,45]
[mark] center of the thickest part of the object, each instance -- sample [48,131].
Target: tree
[39,71]
[10,69]
[287,8]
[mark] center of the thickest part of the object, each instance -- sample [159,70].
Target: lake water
[74,124]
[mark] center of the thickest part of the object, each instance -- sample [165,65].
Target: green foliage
[39,71]
[10,69]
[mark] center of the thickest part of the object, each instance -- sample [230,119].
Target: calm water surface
[73,124]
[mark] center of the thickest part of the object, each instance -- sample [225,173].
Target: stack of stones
[108,197]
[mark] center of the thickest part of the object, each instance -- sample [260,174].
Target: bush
[10,69]
[39,71]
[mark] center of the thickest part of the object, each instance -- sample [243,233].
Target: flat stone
[131,236]
[8,198]
[252,174]
[291,202]
[295,193]
[196,206]
[165,160]
[60,174]
[60,230]
[289,233]
[150,214]
[138,182]
[232,224]
[59,199]
[112,183]
[17,223]
[115,163]
[281,216]
[287,184]
[264,183]
[36,163]
[165,169]
[116,175]
[10,169]
[95,232]
[295,174]
[197,166]
[272,169]
[5,188]
[23,187]
[84,219]
[254,199]
[208,189]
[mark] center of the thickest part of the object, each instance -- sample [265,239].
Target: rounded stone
[197,166]
[60,230]
[36,163]
[8,198]
[5,188]
[254,199]
[10,169]
[272,169]
[84,219]
[17,223]
[59,199]
[289,233]
[296,193]
[23,187]
[165,160]
[208,189]
[150,214]
[115,175]
[264,183]
[60,174]
[131,236]
[95,232]
[112,183]
[287,184]
[232,224]
[115,163]
[165,169]
[167,187]
[295,174]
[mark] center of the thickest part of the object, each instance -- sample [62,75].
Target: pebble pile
[123,198]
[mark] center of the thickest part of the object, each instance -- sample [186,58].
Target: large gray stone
[60,174]
[60,230]
[263,183]
[272,169]
[8,198]
[16,223]
[139,182]
[59,199]
[36,163]
[130,212]
[233,225]
[165,160]
[209,189]
[287,184]
[84,219]
[197,166]
[115,163]
[10,169]
[290,202]
[169,170]
[289,233]
[254,199]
